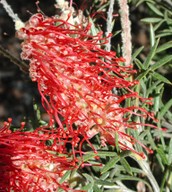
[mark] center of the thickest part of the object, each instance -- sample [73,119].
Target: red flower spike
[76,77]
[28,164]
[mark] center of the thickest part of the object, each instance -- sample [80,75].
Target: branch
[22,65]
[18,23]
[126,31]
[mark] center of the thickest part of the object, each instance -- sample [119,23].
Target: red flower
[76,79]
[28,164]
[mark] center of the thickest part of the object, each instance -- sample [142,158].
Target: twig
[109,23]
[126,31]
[22,65]
[18,23]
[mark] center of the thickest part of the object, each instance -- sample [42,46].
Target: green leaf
[162,155]
[94,30]
[156,103]
[154,9]
[165,108]
[142,75]
[91,155]
[96,188]
[139,64]
[152,88]
[117,142]
[151,140]
[151,20]
[151,55]
[132,178]
[161,62]
[139,2]
[142,1]
[137,52]
[163,34]
[101,8]
[126,177]
[37,111]
[159,89]
[65,176]
[126,165]
[152,35]
[159,161]
[110,164]
[104,176]
[88,156]
[73,173]
[170,152]
[106,154]
[116,33]
[87,187]
[88,177]
[164,47]
[157,25]
[160,78]
[104,183]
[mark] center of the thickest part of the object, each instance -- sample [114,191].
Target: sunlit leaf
[164,47]
[161,62]
[154,9]
[161,78]
[151,55]
[151,20]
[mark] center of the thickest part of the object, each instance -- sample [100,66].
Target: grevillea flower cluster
[28,164]
[79,82]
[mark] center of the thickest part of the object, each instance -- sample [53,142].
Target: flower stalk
[126,31]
